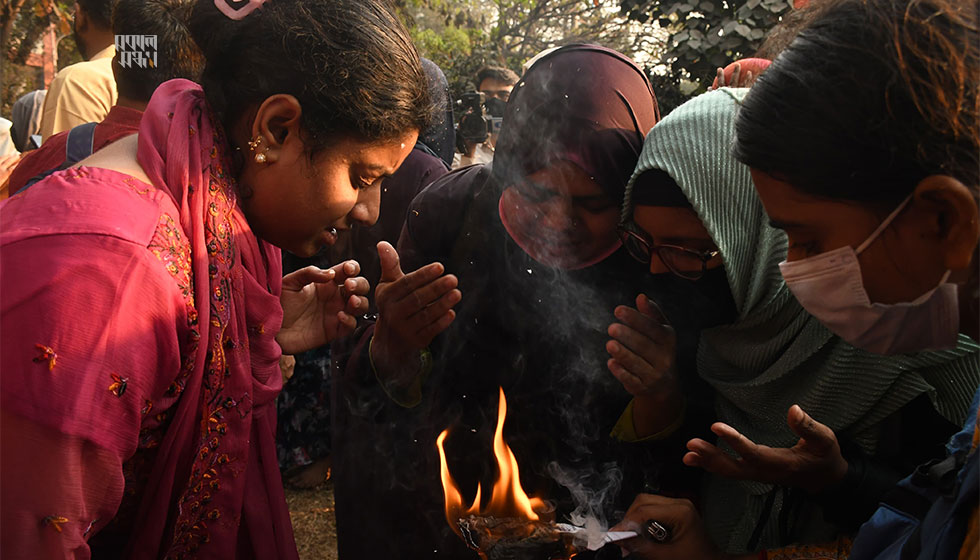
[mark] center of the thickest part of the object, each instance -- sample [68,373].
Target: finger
[357,305]
[651,352]
[632,384]
[434,311]
[719,78]
[345,324]
[296,281]
[391,269]
[654,346]
[650,374]
[429,332]
[345,270]
[809,429]
[735,75]
[692,459]
[412,281]
[749,78]
[677,513]
[651,309]
[426,295]
[746,448]
[358,285]
[644,324]
[716,461]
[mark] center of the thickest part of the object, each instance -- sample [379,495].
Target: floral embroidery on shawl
[46,354]
[210,463]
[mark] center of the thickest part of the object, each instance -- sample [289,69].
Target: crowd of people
[744,329]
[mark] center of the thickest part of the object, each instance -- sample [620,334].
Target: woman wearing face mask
[889,238]
[692,215]
[143,305]
[532,246]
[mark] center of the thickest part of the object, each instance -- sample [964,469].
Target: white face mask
[830,287]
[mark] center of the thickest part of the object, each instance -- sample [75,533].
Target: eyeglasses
[683,262]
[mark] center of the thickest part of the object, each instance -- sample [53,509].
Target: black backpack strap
[942,476]
[80,145]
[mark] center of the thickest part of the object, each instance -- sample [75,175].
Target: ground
[314,526]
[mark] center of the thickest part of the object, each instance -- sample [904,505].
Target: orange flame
[507,499]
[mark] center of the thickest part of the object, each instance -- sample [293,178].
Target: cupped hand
[320,306]
[643,349]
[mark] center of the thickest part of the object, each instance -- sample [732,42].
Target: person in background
[495,83]
[9,156]
[692,215]
[306,440]
[26,116]
[882,248]
[177,57]
[142,300]
[86,91]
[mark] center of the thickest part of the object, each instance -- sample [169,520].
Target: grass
[314,525]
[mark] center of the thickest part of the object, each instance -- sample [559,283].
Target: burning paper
[508,527]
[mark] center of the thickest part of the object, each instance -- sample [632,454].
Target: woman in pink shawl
[142,298]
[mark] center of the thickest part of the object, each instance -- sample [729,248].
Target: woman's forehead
[566,178]
[670,221]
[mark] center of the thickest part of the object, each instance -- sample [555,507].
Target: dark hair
[500,74]
[783,33]
[177,55]
[99,11]
[350,63]
[868,100]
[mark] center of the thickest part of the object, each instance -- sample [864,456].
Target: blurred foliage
[462,37]
[704,35]
[22,24]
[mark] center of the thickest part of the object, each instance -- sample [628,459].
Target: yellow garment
[625,429]
[79,94]
[838,550]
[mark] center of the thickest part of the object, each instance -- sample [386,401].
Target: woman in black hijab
[530,241]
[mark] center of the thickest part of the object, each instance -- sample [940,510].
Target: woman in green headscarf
[692,213]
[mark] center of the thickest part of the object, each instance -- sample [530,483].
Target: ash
[511,538]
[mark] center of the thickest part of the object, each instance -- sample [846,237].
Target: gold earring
[260,157]
[254,144]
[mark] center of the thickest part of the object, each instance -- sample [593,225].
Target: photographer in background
[475,135]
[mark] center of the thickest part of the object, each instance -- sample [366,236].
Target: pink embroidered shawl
[139,362]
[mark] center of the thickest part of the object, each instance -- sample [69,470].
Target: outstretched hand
[814,463]
[412,308]
[320,306]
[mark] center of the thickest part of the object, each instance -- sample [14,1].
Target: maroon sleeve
[49,156]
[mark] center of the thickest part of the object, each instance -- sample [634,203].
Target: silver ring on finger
[657,531]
